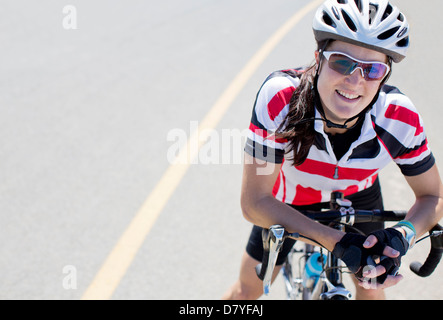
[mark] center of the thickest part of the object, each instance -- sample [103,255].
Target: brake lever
[272,241]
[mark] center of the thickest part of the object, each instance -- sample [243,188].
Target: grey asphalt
[84,118]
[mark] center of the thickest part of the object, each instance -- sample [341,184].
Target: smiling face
[344,96]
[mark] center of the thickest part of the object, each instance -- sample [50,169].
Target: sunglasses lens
[346,66]
[342,64]
[375,71]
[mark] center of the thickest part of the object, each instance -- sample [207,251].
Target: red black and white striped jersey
[392,131]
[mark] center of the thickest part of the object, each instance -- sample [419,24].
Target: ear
[317,55]
[317,61]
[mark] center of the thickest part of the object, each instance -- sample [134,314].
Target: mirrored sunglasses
[346,65]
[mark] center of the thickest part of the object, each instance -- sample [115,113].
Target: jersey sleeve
[270,109]
[402,131]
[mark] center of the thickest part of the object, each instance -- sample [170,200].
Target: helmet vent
[342,1]
[373,8]
[401,17]
[403,42]
[388,11]
[359,5]
[328,20]
[387,34]
[349,21]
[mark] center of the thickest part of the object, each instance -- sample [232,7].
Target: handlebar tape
[433,258]
[426,269]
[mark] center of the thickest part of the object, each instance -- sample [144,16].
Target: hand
[371,274]
[391,246]
[370,280]
[350,249]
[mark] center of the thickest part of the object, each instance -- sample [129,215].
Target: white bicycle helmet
[373,24]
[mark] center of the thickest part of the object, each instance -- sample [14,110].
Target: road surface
[97,99]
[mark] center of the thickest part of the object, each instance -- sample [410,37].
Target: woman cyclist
[332,127]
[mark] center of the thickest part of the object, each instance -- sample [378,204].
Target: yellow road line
[122,255]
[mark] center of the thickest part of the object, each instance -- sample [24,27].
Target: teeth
[347,95]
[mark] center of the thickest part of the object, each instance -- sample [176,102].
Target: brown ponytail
[297,128]
[299,133]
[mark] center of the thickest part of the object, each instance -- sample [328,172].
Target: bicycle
[319,275]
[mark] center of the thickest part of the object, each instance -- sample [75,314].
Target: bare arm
[261,208]
[428,207]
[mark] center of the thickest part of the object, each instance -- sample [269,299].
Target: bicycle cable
[298,235]
[433,234]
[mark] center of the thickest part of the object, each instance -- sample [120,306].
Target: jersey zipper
[336,172]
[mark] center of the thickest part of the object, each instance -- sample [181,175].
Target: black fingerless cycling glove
[394,239]
[350,249]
